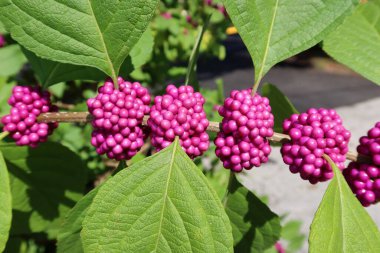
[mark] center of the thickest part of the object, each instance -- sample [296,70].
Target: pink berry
[246,125]
[180,113]
[117,118]
[2,41]
[370,144]
[364,181]
[313,134]
[26,102]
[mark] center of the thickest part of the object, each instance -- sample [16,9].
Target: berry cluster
[27,104]
[117,117]
[370,144]
[364,180]
[313,134]
[247,123]
[179,113]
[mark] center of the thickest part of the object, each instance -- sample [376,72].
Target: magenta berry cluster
[364,181]
[117,118]
[247,123]
[313,134]
[179,113]
[370,144]
[27,104]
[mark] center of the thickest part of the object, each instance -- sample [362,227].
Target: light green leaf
[92,33]
[160,204]
[341,224]
[254,226]
[46,182]
[281,106]
[2,28]
[356,43]
[6,204]
[274,30]
[51,72]
[69,234]
[11,60]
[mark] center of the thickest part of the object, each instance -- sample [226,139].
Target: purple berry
[27,104]
[247,123]
[370,144]
[313,134]
[2,41]
[117,119]
[180,113]
[364,181]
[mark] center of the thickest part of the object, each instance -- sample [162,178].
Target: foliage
[63,196]
[361,45]
[340,223]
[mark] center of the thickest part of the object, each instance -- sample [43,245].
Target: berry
[370,144]
[313,134]
[2,41]
[180,113]
[247,123]
[117,119]
[364,181]
[27,104]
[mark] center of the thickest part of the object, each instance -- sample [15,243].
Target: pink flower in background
[166,15]
[279,247]
[2,40]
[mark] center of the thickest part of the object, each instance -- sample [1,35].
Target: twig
[82,117]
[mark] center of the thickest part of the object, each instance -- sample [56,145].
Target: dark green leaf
[356,43]
[46,182]
[6,204]
[254,226]
[274,30]
[341,224]
[160,204]
[99,34]
[69,234]
[51,72]
[282,108]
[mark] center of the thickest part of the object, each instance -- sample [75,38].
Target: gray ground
[356,99]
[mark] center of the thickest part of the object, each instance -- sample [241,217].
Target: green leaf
[99,34]
[191,75]
[341,224]
[160,204]
[69,234]
[281,106]
[274,30]
[46,182]
[356,43]
[11,60]
[2,28]
[6,204]
[254,226]
[51,72]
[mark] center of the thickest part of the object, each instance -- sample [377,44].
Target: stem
[255,87]
[3,135]
[191,68]
[228,190]
[83,117]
